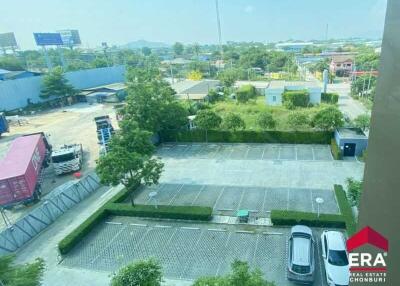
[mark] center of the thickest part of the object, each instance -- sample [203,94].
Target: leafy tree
[241,275]
[319,66]
[328,118]
[142,273]
[99,62]
[178,48]
[56,85]
[362,121]
[196,49]
[245,93]
[363,85]
[20,275]
[11,63]
[266,121]
[207,119]
[233,122]
[229,76]
[195,75]
[298,120]
[354,190]
[146,51]
[151,100]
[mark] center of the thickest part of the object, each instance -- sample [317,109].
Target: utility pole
[219,29]
[326,32]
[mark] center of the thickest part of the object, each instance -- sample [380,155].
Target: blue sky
[189,21]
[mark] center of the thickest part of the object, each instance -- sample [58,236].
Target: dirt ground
[72,124]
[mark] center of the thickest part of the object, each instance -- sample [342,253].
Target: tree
[233,122]
[142,273]
[56,85]
[29,274]
[362,121]
[178,48]
[266,121]
[146,51]
[328,118]
[195,75]
[11,63]
[207,119]
[151,100]
[245,93]
[241,275]
[354,190]
[196,49]
[99,62]
[298,120]
[229,76]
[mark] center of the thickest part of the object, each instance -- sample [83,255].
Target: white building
[274,92]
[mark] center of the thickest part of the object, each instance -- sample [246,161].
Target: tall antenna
[326,32]
[219,28]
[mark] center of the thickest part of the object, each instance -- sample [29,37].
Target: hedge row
[329,97]
[284,217]
[345,209]
[162,211]
[82,230]
[246,136]
[335,150]
[300,98]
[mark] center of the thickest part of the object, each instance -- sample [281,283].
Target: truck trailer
[21,168]
[105,130]
[3,124]
[67,158]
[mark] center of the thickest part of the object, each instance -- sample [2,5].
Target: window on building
[274,98]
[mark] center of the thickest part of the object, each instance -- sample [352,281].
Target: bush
[162,211]
[354,190]
[329,97]
[335,150]
[284,217]
[233,121]
[143,273]
[345,209]
[266,121]
[245,93]
[247,136]
[289,105]
[299,98]
[298,120]
[328,118]
[82,230]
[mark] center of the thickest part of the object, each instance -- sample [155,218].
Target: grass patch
[345,209]
[335,150]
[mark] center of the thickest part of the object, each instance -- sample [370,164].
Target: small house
[351,141]
[274,92]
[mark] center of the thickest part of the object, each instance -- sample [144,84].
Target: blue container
[3,123]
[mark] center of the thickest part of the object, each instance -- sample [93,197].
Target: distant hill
[143,43]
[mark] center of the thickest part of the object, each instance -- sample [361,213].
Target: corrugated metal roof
[18,156]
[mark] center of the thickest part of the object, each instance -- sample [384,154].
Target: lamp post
[319,202]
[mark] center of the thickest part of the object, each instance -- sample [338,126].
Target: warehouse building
[110,93]
[195,89]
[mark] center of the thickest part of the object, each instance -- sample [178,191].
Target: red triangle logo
[367,236]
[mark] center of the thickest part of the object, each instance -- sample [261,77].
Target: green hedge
[123,194]
[329,97]
[335,150]
[162,211]
[283,217]
[299,98]
[82,230]
[345,209]
[246,136]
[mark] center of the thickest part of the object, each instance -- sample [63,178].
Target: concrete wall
[15,93]
[361,144]
[270,93]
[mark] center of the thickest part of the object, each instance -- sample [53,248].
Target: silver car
[301,261]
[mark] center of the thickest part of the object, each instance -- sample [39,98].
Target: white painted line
[287,201]
[272,233]
[217,229]
[279,153]
[247,152]
[113,222]
[219,196]
[241,197]
[163,226]
[255,248]
[108,245]
[244,231]
[173,198]
[262,156]
[225,210]
[313,155]
[264,197]
[106,193]
[295,150]
[198,194]
[190,228]
[312,200]
[267,211]
[138,224]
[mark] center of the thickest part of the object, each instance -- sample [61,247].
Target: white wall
[15,93]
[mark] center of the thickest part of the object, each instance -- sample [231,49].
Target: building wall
[273,96]
[14,94]
[361,144]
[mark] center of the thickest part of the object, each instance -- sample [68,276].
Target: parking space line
[138,224]
[241,198]
[245,231]
[272,233]
[217,229]
[173,198]
[263,203]
[262,156]
[112,222]
[198,194]
[279,153]
[295,151]
[219,196]
[190,228]
[255,249]
[162,226]
[287,201]
[312,200]
[313,154]
[247,152]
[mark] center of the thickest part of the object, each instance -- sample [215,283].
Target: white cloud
[249,9]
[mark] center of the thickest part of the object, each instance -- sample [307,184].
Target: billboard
[48,39]
[7,40]
[70,37]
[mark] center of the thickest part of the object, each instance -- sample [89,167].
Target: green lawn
[249,112]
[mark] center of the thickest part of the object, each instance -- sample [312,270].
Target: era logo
[366,261]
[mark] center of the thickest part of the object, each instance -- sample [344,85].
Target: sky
[189,21]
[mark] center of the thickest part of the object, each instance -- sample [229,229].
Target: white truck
[67,159]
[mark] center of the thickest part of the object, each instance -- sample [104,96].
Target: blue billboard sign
[48,39]
[70,37]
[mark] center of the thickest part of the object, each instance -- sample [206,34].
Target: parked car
[301,261]
[335,257]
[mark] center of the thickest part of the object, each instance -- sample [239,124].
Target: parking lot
[247,151]
[227,200]
[186,251]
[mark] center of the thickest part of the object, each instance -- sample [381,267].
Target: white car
[335,257]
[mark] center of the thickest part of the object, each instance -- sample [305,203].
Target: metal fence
[53,206]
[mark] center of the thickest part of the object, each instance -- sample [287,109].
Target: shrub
[266,121]
[298,120]
[284,217]
[144,273]
[299,98]
[328,118]
[162,211]
[245,93]
[354,190]
[336,152]
[233,121]
[345,209]
[289,105]
[329,97]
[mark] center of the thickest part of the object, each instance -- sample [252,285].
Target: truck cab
[67,159]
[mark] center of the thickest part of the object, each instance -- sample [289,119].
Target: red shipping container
[20,169]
